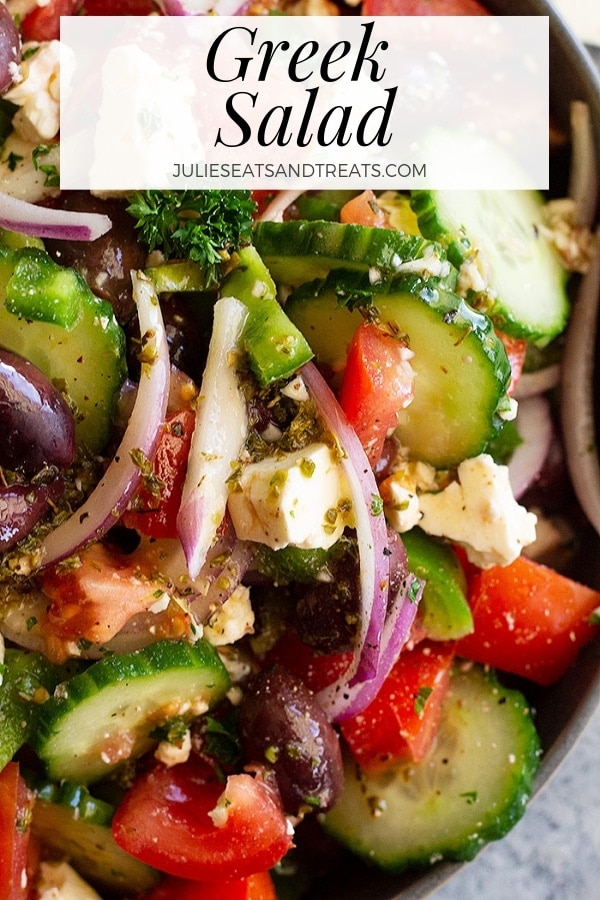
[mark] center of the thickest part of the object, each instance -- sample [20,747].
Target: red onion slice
[219,434]
[534,423]
[405,594]
[278,205]
[111,495]
[44,222]
[532,383]
[396,630]
[577,392]
[371,535]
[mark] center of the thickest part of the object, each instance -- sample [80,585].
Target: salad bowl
[104,532]
[564,709]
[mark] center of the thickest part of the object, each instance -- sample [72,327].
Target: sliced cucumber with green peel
[49,315]
[524,291]
[27,681]
[275,346]
[109,713]
[76,797]
[443,611]
[462,371]
[471,788]
[299,251]
[83,835]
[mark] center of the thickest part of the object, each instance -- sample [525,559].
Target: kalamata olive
[37,423]
[105,263]
[10,48]
[327,612]
[284,728]
[187,336]
[22,506]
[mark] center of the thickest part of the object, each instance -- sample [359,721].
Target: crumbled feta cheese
[38,95]
[18,174]
[232,620]
[296,390]
[171,754]
[292,499]
[400,493]
[574,244]
[480,513]
[58,881]
[401,505]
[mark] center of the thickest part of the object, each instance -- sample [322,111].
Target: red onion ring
[534,423]
[278,205]
[219,434]
[532,383]
[405,594]
[44,222]
[111,495]
[371,533]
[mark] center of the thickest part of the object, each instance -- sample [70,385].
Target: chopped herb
[173,732]
[12,161]
[470,796]
[421,698]
[49,169]
[376,505]
[204,226]
[221,739]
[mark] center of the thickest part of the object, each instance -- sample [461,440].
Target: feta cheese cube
[400,493]
[37,94]
[232,620]
[290,499]
[480,513]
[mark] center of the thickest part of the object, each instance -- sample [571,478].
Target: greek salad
[285,530]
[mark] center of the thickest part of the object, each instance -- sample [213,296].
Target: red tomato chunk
[529,620]
[402,720]
[165,820]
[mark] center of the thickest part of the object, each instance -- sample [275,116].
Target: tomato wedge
[377,383]
[423,8]
[515,351]
[401,722]
[364,210]
[184,822]
[43,22]
[529,620]
[255,887]
[16,803]
[154,513]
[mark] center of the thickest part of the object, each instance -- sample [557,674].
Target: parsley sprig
[204,226]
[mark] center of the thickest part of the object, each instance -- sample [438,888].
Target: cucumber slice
[107,714]
[77,798]
[461,366]
[27,680]
[525,293]
[443,611]
[49,316]
[472,787]
[299,251]
[273,343]
[72,832]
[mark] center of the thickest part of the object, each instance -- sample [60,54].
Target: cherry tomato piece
[184,822]
[529,620]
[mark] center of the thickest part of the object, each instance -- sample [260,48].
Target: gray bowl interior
[563,709]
